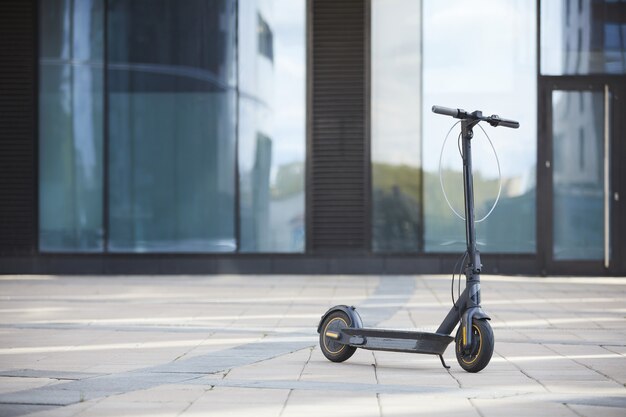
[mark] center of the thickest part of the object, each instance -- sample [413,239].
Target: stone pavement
[247,346]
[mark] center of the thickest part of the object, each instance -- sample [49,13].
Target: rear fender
[355,319]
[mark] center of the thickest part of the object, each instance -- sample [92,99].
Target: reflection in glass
[583,37]
[578,174]
[171,73]
[272,72]
[395,126]
[456,75]
[70,125]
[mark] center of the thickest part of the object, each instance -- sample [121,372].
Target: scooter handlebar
[446,111]
[508,123]
[493,120]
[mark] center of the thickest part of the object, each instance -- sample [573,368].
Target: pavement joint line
[534,379]
[193,401]
[224,374]
[475,407]
[284,407]
[472,393]
[181,373]
[604,346]
[522,371]
[476,393]
[564,343]
[37,374]
[458,382]
[375,365]
[573,410]
[169,329]
[41,377]
[591,368]
[191,349]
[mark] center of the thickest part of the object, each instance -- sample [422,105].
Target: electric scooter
[341,328]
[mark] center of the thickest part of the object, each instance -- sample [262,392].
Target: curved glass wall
[71,125]
[171,125]
[181,87]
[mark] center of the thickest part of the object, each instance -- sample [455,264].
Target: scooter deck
[396,340]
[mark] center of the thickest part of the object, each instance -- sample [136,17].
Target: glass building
[296,136]
[164,128]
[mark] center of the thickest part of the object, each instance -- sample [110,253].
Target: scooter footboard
[397,340]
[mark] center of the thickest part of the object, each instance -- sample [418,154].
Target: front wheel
[333,350]
[478,355]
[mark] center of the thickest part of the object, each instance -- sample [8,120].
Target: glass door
[580,179]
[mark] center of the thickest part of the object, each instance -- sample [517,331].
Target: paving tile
[594,411]
[425,405]
[320,403]
[518,407]
[16,384]
[113,407]
[10,410]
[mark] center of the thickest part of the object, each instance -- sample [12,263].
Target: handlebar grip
[446,110]
[508,123]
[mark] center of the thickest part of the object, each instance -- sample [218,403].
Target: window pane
[171,72]
[396,125]
[497,75]
[272,75]
[583,37]
[578,174]
[70,125]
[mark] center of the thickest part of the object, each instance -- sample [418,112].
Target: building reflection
[271,125]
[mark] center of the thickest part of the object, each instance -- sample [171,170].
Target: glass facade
[502,79]
[581,37]
[171,125]
[416,67]
[396,103]
[71,49]
[184,89]
[578,175]
[272,122]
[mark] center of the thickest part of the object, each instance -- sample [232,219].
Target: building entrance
[580,213]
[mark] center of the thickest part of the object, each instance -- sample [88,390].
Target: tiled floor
[247,346]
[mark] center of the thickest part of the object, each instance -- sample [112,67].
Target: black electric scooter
[341,328]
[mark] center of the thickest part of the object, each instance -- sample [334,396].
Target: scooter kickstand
[443,362]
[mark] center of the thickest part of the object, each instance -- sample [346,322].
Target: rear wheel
[478,354]
[333,350]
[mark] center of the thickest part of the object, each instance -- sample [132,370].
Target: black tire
[479,354]
[333,350]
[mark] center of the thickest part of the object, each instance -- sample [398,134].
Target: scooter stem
[468,186]
[467,306]
[473,268]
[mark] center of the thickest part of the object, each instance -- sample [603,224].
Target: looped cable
[495,203]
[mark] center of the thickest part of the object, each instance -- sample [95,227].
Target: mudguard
[355,319]
[479,314]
